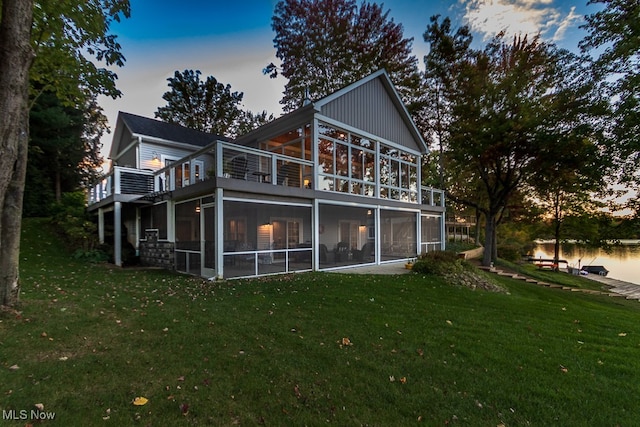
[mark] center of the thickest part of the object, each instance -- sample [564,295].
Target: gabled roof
[146,127]
[383,78]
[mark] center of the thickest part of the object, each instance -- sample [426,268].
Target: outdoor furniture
[289,175]
[239,167]
[261,176]
[342,252]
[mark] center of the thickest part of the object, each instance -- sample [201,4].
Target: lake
[623,262]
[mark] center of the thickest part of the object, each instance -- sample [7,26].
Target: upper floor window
[347,164]
[294,143]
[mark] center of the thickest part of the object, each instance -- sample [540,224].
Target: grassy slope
[271,351]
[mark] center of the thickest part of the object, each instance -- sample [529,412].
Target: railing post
[116,180]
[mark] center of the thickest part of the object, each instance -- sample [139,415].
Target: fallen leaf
[392,378]
[296,390]
[622,334]
[14,367]
[346,341]
[39,406]
[403,380]
[449,322]
[563,369]
[184,408]
[140,401]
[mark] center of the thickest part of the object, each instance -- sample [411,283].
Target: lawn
[308,349]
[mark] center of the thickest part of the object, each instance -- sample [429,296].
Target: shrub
[437,263]
[455,270]
[74,227]
[510,251]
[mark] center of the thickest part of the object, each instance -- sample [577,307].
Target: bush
[510,251]
[74,227]
[437,263]
[454,270]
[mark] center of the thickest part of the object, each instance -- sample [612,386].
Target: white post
[101,225]
[219,233]
[117,233]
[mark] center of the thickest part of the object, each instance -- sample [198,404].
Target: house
[333,184]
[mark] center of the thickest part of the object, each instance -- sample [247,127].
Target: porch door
[208,250]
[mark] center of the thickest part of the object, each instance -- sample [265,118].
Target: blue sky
[233,41]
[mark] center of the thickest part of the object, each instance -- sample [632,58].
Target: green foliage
[614,35]
[437,263]
[208,106]
[326,45]
[61,157]
[510,251]
[69,39]
[74,227]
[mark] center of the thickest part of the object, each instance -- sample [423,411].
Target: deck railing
[228,160]
[122,180]
[225,160]
[432,197]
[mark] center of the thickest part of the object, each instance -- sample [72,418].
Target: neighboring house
[331,185]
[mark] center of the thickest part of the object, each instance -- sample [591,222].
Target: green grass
[550,276]
[270,351]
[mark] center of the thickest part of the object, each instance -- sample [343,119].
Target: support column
[219,233]
[117,233]
[315,226]
[101,225]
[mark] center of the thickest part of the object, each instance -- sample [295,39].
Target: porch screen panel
[187,228]
[347,235]
[431,233]
[398,233]
[155,217]
[264,238]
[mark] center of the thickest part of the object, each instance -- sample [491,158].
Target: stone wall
[154,253]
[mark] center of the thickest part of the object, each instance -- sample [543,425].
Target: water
[623,262]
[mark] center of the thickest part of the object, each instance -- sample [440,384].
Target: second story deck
[228,161]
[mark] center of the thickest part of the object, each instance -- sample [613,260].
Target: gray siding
[370,108]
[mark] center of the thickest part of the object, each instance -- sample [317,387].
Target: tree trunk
[11,228]
[16,56]
[489,240]
[558,224]
[477,227]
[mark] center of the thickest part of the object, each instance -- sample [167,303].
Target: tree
[60,39]
[615,32]
[499,98]
[434,114]
[64,151]
[325,45]
[574,162]
[208,106]
[16,56]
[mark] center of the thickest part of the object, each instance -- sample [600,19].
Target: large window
[398,175]
[347,164]
[295,143]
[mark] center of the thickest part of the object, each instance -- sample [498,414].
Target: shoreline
[627,289]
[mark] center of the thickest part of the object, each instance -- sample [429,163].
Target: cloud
[489,17]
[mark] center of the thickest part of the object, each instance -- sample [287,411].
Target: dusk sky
[233,41]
